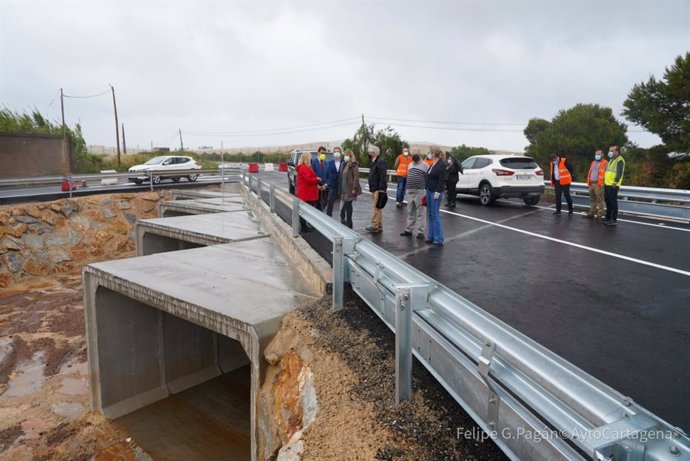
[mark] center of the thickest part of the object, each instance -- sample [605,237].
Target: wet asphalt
[605,299]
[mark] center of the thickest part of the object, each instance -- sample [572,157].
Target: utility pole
[181,145]
[64,139]
[117,126]
[124,143]
[365,135]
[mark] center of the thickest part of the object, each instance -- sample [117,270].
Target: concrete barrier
[268,167]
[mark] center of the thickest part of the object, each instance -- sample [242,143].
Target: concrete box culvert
[191,231]
[161,324]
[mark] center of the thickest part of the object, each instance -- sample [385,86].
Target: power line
[89,96]
[271,132]
[444,122]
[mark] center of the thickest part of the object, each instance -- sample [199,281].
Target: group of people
[322,183]
[428,181]
[604,179]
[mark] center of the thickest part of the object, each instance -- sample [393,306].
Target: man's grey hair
[373,148]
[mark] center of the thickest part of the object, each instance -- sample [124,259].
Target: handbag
[381,200]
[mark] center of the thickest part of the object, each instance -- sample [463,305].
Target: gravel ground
[425,427]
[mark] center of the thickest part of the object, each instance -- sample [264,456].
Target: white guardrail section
[534,404]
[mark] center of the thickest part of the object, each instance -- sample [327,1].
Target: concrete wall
[25,155]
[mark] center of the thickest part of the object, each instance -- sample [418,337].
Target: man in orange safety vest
[561,178]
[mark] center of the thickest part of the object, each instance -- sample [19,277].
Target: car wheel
[156,179]
[192,177]
[137,181]
[486,194]
[532,200]
[176,179]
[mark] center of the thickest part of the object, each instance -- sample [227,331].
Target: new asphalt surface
[613,301]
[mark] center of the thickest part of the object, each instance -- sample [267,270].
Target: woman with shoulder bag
[348,186]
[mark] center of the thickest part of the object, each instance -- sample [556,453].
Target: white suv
[167,165]
[495,176]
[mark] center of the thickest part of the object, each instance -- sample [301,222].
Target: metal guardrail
[234,174]
[534,404]
[653,202]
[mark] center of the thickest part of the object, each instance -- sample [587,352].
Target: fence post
[342,246]
[295,217]
[272,198]
[403,344]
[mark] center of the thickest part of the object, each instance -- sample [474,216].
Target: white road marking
[576,245]
[658,226]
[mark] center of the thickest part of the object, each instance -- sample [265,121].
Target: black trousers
[304,227]
[332,198]
[611,199]
[346,213]
[560,191]
[451,192]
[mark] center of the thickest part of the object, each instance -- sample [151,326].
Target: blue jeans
[433,207]
[400,193]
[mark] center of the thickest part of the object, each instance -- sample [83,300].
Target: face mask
[346,158]
[322,156]
[405,153]
[429,155]
[450,161]
[336,155]
[610,154]
[597,157]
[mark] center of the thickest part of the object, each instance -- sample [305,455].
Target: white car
[496,176]
[165,167]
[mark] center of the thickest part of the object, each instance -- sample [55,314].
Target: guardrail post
[272,198]
[403,344]
[484,367]
[342,246]
[295,216]
[150,180]
[222,179]
[258,188]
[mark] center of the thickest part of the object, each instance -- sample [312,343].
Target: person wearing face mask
[613,178]
[436,182]
[453,169]
[595,181]
[348,186]
[561,178]
[378,184]
[400,167]
[332,179]
[318,164]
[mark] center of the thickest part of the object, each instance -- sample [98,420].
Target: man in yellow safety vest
[612,183]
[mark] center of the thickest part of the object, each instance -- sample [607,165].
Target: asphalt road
[613,301]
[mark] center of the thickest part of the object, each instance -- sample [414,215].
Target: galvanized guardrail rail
[673,204]
[532,403]
[231,174]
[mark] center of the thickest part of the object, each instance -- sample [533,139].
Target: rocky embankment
[41,239]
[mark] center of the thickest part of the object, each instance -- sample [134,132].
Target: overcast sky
[261,73]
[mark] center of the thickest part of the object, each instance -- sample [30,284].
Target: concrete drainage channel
[176,335]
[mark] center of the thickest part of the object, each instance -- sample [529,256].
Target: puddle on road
[27,378]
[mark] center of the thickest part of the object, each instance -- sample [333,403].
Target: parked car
[502,176]
[292,164]
[167,166]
